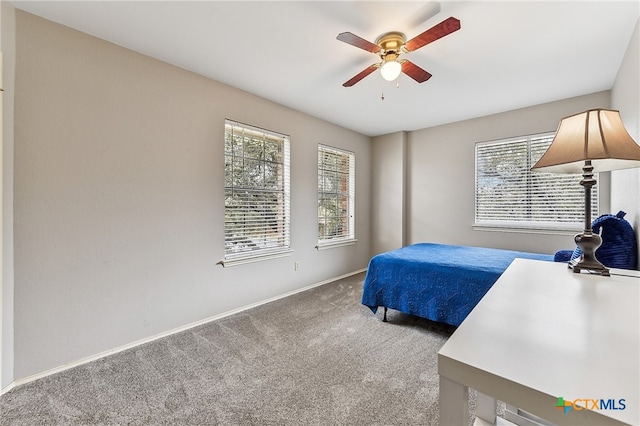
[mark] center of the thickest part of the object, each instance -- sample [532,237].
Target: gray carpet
[314,358]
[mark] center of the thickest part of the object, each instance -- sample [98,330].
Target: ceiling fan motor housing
[390,44]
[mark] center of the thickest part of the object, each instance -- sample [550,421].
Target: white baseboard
[7,388]
[100,355]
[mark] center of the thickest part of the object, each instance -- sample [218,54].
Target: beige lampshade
[597,135]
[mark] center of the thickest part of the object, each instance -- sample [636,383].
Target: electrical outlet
[296,265]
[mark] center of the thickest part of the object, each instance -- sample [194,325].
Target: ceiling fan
[391,45]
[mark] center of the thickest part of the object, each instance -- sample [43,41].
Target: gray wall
[441,174]
[439,169]
[7,31]
[625,97]
[388,199]
[119,203]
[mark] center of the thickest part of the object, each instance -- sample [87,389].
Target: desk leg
[486,408]
[454,403]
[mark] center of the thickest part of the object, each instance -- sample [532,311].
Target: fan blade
[361,75]
[356,41]
[415,72]
[445,27]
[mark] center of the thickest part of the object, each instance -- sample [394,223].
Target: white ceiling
[507,55]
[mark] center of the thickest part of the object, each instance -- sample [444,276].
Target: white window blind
[336,195]
[257,192]
[508,193]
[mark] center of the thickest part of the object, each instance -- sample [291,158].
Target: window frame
[533,226]
[349,217]
[282,193]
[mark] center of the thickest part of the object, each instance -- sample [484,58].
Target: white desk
[544,332]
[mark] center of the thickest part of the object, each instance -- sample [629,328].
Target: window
[336,196]
[257,192]
[509,194]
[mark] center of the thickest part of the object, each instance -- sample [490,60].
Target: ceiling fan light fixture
[390,70]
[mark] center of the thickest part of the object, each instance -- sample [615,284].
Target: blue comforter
[436,281]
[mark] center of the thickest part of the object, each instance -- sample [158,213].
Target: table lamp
[591,141]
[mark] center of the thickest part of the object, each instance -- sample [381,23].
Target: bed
[438,282]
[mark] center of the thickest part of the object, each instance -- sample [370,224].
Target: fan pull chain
[382,87]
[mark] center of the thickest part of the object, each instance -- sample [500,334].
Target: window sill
[550,230]
[332,244]
[243,260]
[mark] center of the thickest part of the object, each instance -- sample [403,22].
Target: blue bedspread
[436,281]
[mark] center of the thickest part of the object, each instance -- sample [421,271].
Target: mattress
[438,282]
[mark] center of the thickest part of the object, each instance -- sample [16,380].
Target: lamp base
[588,243]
